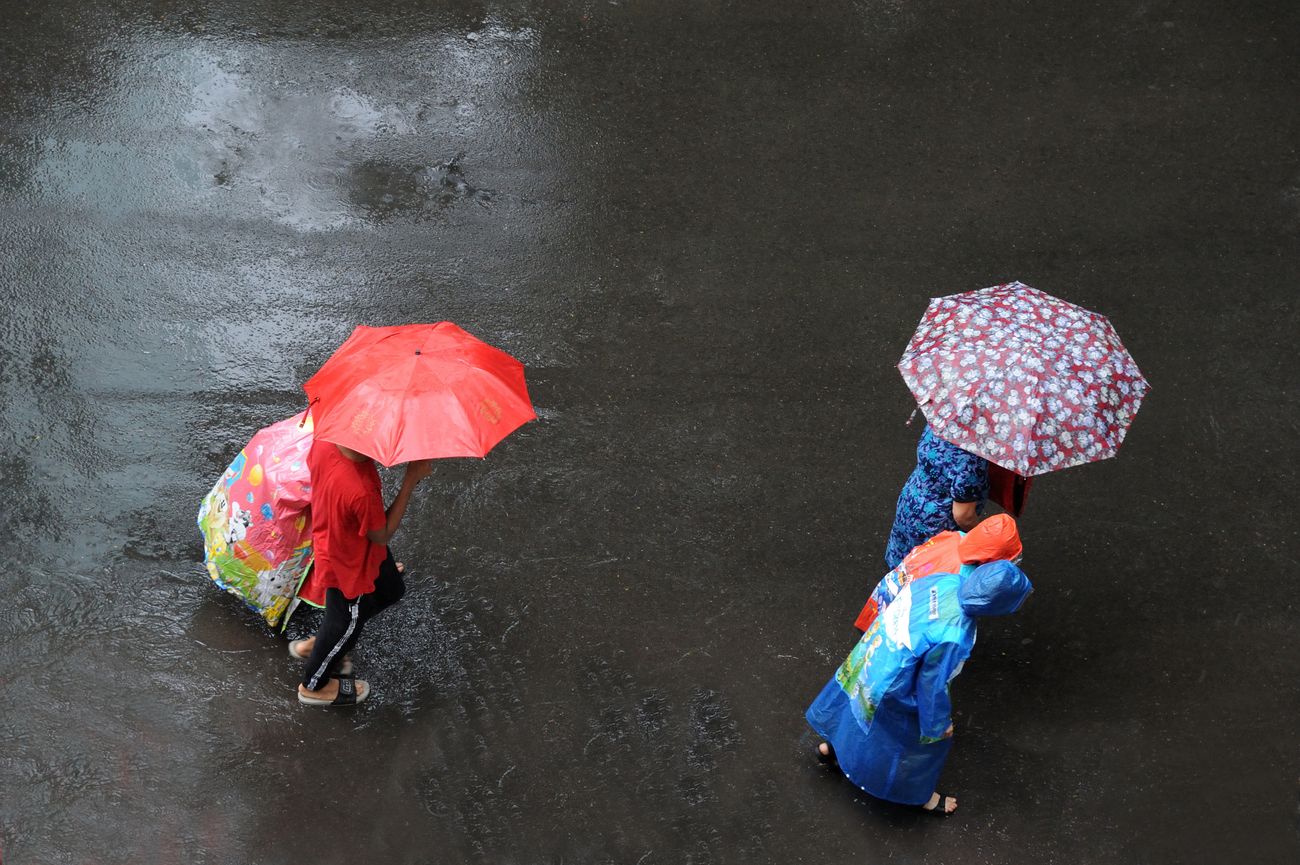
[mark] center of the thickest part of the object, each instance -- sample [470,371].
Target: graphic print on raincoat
[946,553]
[938,555]
[256,522]
[886,711]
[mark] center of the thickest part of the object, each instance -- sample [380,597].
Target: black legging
[344,620]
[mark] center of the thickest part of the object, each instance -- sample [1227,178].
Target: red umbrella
[418,391]
[1026,380]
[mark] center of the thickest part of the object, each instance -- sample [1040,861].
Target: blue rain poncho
[886,711]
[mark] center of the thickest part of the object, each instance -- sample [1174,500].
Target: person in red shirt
[350,530]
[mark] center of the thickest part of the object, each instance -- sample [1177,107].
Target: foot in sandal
[943,805]
[301,650]
[335,692]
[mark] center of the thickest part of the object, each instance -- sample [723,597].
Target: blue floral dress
[944,474]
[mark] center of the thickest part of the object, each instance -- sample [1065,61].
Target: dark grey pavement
[708,230]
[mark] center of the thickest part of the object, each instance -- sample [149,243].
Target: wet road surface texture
[708,230]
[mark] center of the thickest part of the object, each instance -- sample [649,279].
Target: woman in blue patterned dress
[945,493]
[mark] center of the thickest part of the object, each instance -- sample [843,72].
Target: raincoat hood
[994,589]
[993,539]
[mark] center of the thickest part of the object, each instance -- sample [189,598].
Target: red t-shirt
[347,501]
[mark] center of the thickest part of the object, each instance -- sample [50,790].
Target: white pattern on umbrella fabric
[1022,378]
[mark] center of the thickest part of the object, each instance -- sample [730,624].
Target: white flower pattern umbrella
[1022,378]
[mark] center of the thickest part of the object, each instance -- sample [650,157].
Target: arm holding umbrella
[409,394]
[415,472]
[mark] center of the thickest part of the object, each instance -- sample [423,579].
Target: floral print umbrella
[1022,378]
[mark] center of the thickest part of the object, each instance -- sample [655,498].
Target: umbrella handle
[911,417]
[307,411]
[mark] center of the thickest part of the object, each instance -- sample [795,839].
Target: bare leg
[301,649]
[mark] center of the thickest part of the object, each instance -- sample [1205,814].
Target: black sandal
[347,695]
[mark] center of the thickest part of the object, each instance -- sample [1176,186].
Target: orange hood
[993,539]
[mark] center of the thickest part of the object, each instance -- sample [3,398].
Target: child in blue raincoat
[886,714]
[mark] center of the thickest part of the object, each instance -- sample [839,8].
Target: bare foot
[949,804]
[401,567]
[825,753]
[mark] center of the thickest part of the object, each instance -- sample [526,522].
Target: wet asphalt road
[707,229]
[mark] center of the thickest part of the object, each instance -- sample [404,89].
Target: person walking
[886,714]
[945,492]
[350,533]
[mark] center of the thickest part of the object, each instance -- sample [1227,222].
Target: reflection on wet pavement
[707,230]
